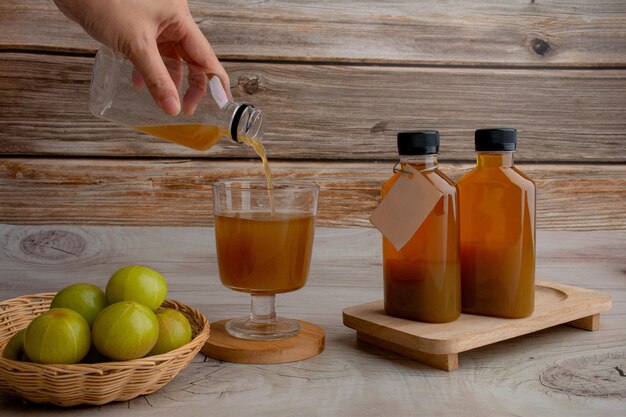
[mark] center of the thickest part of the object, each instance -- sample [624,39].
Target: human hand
[143,30]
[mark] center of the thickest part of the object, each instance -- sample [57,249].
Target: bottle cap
[234,123]
[424,142]
[504,139]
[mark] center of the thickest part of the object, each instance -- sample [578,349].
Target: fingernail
[171,106]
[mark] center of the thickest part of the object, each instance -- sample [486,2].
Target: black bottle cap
[424,142]
[495,139]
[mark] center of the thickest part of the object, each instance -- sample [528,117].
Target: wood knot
[601,376]
[540,47]
[379,127]
[249,84]
[53,245]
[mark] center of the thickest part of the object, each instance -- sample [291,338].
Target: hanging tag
[405,207]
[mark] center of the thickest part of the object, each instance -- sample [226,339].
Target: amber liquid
[201,137]
[497,206]
[264,253]
[422,280]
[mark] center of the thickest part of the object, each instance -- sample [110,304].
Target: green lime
[137,283]
[125,330]
[15,348]
[174,331]
[59,335]
[85,299]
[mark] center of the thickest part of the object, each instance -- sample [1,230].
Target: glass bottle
[117,93]
[422,279]
[497,206]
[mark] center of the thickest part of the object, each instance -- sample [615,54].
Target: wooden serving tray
[438,344]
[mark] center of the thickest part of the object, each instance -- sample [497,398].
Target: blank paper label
[405,207]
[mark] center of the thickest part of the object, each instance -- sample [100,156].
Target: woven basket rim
[104,367]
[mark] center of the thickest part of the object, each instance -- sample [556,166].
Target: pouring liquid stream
[201,137]
[258,147]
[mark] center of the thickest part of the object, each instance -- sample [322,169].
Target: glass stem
[263,309]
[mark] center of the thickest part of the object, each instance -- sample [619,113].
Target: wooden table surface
[555,372]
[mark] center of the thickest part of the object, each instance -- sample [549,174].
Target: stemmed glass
[264,240]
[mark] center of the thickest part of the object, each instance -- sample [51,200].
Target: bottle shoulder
[468,176]
[437,178]
[390,182]
[497,176]
[444,183]
[523,177]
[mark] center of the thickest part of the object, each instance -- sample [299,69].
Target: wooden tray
[439,344]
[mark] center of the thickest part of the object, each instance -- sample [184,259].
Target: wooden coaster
[307,343]
[438,344]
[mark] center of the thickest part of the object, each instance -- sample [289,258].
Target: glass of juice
[264,240]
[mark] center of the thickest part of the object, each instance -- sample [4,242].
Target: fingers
[137,80]
[197,80]
[172,62]
[156,76]
[197,48]
[172,53]
[168,49]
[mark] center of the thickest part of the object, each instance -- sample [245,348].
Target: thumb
[148,62]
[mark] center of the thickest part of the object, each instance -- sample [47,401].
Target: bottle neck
[246,121]
[420,162]
[494,159]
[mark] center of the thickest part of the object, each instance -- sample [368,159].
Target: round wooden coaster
[307,343]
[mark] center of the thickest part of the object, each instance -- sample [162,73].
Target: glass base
[244,328]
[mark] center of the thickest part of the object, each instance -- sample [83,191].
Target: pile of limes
[86,324]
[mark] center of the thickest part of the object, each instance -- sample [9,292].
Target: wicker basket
[69,385]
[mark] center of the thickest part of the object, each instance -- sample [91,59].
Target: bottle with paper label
[419,219]
[497,204]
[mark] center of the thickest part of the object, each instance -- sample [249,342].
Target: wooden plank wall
[337,81]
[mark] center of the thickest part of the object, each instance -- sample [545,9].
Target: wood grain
[178,192]
[309,342]
[335,112]
[559,371]
[444,361]
[591,323]
[593,369]
[489,32]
